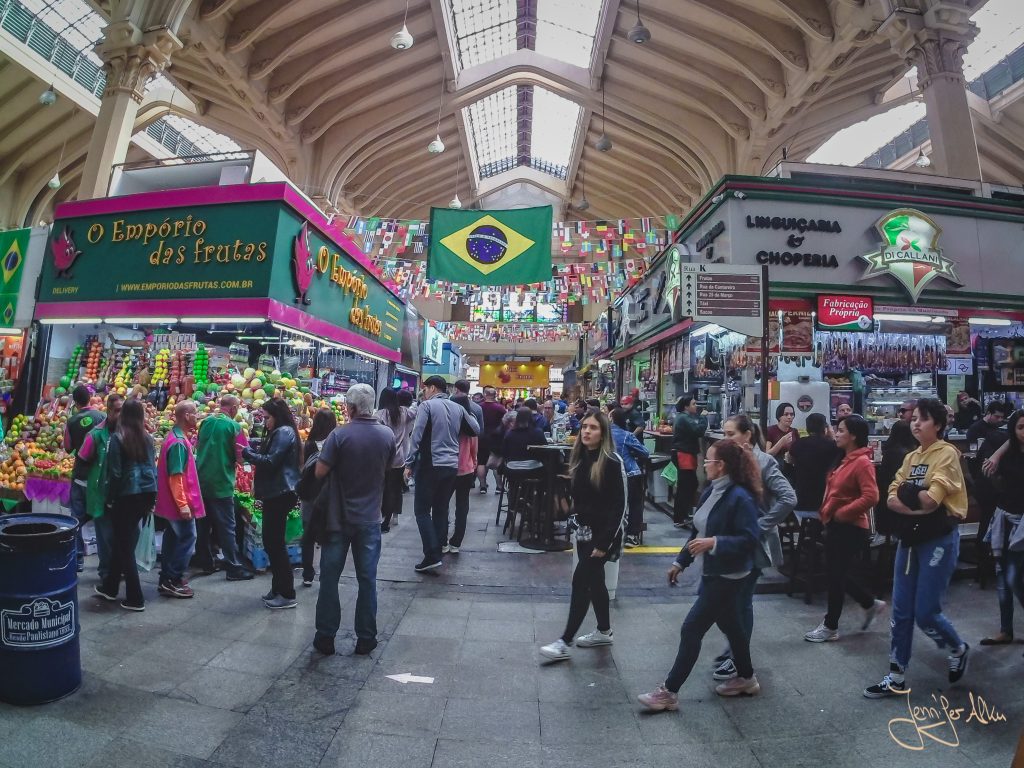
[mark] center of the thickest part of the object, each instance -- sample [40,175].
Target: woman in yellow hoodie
[929,497]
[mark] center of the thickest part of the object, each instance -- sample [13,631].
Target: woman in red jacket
[850,494]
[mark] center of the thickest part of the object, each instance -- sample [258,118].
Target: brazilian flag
[490,247]
[13,252]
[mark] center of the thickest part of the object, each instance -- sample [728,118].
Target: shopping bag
[145,549]
[670,473]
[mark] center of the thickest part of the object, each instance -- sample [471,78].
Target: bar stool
[810,547]
[523,483]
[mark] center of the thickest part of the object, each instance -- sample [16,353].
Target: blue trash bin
[40,660]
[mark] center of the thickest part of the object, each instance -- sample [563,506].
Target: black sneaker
[426,565]
[364,647]
[269,596]
[958,664]
[887,687]
[240,575]
[106,596]
[324,644]
[307,579]
[631,541]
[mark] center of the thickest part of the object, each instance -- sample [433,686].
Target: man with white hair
[356,457]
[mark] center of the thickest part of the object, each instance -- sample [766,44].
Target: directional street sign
[724,294]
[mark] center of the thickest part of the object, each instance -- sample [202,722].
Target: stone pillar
[939,56]
[131,58]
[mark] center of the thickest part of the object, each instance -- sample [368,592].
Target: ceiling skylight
[492,125]
[566,29]
[73,20]
[555,121]
[522,125]
[486,30]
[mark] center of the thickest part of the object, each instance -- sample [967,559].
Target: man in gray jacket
[435,439]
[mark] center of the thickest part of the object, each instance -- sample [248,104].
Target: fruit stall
[192,294]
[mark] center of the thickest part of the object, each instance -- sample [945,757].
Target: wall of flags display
[611,254]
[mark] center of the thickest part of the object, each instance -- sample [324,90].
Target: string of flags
[613,255]
[510,332]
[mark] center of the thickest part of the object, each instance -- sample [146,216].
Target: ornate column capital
[939,55]
[131,58]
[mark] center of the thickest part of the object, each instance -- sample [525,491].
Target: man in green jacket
[687,430]
[218,452]
[93,454]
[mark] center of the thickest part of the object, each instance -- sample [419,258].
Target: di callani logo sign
[910,252]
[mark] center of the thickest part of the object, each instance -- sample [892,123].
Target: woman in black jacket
[277,470]
[900,442]
[324,422]
[725,535]
[599,500]
[517,441]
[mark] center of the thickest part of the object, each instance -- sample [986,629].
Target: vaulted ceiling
[721,87]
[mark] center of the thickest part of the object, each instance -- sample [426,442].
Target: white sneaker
[871,613]
[725,671]
[452,549]
[597,637]
[446,549]
[556,651]
[822,634]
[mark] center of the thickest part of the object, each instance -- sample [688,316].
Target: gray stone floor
[221,681]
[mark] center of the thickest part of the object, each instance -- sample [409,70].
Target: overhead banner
[515,375]
[490,247]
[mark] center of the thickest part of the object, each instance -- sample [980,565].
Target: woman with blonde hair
[599,501]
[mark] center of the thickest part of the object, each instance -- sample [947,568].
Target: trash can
[39,645]
[611,571]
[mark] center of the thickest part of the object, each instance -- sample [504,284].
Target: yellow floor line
[645,550]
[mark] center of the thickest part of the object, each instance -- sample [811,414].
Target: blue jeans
[104,527]
[219,522]
[434,489]
[364,541]
[920,579]
[1009,584]
[77,506]
[179,541]
[719,601]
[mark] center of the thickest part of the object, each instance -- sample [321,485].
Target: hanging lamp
[923,161]
[402,40]
[436,146]
[583,204]
[55,182]
[603,142]
[48,97]
[639,34]
[455,203]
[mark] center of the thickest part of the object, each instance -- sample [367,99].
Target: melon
[238,381]
[268,388]
[255,384]
[248,373]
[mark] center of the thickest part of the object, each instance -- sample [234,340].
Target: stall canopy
[247,253]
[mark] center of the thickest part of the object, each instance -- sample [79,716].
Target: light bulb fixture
[48,97]
[583,204]
[402,40]
[455,203]
[923,161]
[639,34]
[603,142]
[436,147]
[54,183]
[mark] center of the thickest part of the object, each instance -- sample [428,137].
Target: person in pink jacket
[463,481]
[851,492]
[179,501]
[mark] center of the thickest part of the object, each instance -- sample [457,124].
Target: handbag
[145,547]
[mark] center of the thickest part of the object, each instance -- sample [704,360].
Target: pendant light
[402,40]
[603,142]
[455,203]
[583,204]
[436,146]
[48,97]
[923,161]
[55,182]
[639,34]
